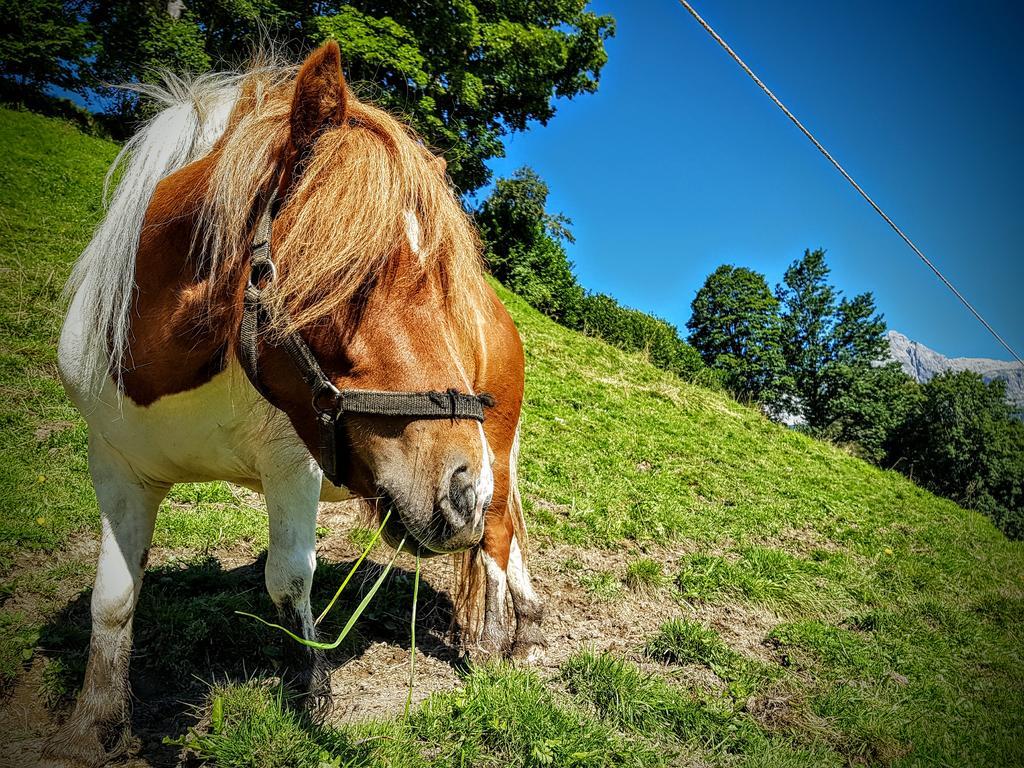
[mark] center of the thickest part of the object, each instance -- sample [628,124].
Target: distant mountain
[923,363]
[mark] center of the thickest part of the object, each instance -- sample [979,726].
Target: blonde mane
[348,215]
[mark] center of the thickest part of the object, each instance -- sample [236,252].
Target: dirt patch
[801,542]
[44,430]
[742,627]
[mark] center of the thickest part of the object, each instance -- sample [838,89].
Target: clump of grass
[642,703]
[759,574]
[644,575]
[680,641]
[18,638]
[252,725]
[361,536]
[53,683]
[500,716]
[601,584]
[839,648]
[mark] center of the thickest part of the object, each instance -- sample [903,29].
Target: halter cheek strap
[329,403]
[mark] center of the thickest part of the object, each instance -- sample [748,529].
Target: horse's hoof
[528,653]
[530,644]
[309,692]
[78,749]
[492,646]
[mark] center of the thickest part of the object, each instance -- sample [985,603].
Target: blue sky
[679,163]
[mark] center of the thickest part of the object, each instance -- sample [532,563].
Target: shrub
[635,331]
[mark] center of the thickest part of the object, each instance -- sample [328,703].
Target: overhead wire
[743,65]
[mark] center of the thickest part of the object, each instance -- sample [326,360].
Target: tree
[828,341]
[464,72]
[135,41]
[868,412]
[43,43]
[961,441]
[735,326]
[524,246]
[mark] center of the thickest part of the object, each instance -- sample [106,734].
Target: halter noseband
[330,403]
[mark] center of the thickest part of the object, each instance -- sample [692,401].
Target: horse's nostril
[462,497]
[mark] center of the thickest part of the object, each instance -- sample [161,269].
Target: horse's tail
[195,112]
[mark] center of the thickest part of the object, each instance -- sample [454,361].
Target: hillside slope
[720,590]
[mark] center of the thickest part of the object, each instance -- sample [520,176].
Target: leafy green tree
[736,328]
[524,246]
[465,72]
[828,341]
[868,412]
[135,41]
[962,442]
[43,43]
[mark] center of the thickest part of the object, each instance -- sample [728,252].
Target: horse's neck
[182,324]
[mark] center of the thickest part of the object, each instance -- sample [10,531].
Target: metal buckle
[327,402]
[261,272]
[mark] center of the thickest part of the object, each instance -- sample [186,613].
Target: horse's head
[378,271]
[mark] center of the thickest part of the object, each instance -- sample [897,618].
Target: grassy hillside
[791,605]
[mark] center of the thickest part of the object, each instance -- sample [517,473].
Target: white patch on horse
[485,480]
[412,233]
[222,430]
[495,603]
[518,574]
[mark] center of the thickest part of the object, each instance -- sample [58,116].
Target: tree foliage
[735,327]
[464,72]
[631,329]
[961,441]
[135,41]
[524,246]
[869,411]
[43,43]
[828,341]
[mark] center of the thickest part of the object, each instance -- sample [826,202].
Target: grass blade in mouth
[351,621]
[412,644]
[352,570]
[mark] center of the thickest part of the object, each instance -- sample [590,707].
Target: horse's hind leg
[98,730]
[292,490]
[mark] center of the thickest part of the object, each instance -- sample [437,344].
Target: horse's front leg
[98,728]
[505,572]
[292,490]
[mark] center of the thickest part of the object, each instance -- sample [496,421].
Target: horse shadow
[188,635]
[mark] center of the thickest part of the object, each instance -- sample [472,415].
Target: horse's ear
[320,95]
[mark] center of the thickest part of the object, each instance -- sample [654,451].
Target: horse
[286,294]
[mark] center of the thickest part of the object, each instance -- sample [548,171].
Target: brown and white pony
[378,271]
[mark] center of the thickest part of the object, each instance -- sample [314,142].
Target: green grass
[499,716]
[896,618]
[644,575]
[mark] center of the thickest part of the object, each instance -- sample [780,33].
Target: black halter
[330,403]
